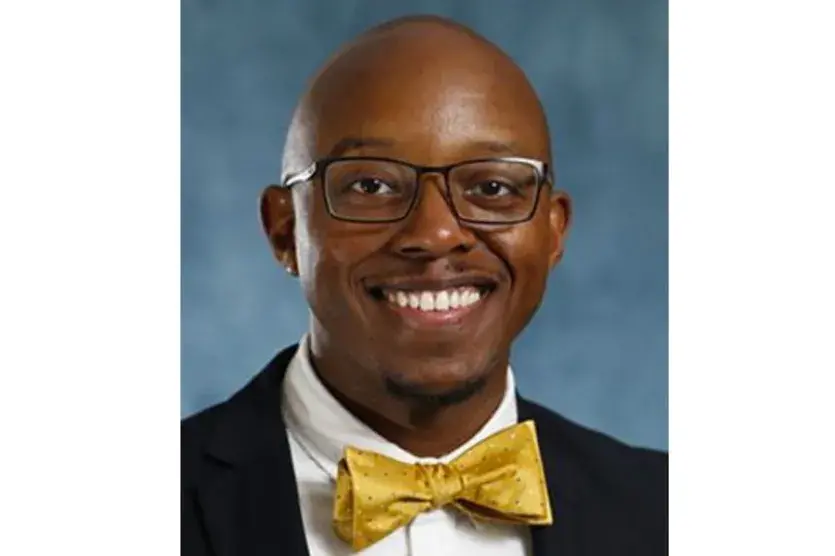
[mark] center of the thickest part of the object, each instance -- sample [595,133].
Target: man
[419,213]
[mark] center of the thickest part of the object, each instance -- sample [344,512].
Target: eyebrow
[350,143]
[496,147]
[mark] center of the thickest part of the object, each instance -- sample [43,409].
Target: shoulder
[195,433]
[236,427]
[604,474]
[602,454]
[196,428]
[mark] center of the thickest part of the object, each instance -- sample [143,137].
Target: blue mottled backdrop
[597,350]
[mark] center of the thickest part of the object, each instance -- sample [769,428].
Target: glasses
[378,190]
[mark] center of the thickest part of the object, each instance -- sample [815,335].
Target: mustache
[447,274]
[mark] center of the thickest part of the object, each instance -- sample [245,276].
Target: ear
[559,221]
[278,222]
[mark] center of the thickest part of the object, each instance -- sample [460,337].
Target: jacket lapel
[563,537]
[250,500]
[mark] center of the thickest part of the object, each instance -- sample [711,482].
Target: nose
[432,230]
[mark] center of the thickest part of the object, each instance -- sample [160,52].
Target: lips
[433,282]
[434,299]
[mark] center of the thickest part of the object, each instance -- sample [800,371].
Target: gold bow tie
[499,479]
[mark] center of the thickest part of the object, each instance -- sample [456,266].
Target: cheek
[329,253]
[318,250]
[325,280]
[526,255]
[323,265]
[307,241]
[531,275]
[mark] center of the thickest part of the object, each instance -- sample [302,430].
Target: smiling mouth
[433,305]
[449,299]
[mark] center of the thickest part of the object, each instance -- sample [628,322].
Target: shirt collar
[324,427]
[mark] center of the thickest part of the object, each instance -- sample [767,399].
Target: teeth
[470,297]
[427,301]
[442,300]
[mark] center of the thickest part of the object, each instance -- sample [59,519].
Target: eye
[371,186]
[491,189]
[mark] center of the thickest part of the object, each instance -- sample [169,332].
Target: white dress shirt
[319,429]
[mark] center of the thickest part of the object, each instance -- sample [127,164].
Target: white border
[90,312]
[751,278]
[89,309]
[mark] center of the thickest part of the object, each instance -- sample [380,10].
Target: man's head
[383,263]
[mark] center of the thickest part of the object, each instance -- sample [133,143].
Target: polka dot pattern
[500,479]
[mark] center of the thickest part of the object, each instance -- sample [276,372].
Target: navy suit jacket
[239,495]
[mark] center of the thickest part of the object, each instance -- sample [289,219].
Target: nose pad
[432,228]
[432,191]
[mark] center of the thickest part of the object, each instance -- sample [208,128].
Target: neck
[423,429]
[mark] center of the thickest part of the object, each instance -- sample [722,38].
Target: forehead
[430,104]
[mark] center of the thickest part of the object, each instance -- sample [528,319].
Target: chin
[435,376]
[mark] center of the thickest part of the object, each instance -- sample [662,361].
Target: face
[468,290]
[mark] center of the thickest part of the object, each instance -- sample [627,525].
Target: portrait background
[597,350]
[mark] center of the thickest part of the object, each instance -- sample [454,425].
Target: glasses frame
[319,167]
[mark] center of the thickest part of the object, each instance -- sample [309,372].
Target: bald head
[419,79]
